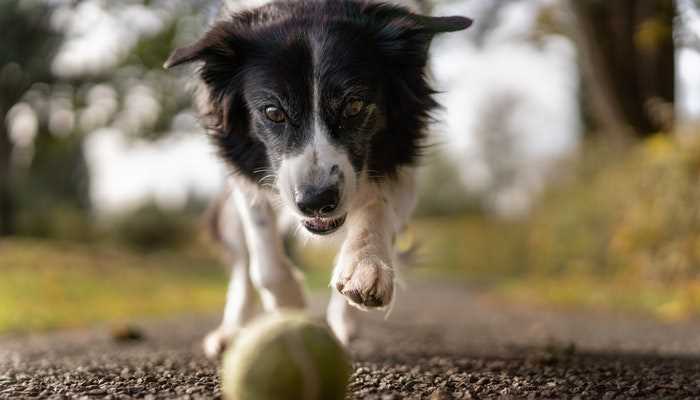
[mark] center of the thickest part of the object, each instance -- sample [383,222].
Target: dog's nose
[315,201]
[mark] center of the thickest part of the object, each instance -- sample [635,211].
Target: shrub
[152,228]
[56,222]
[637,215]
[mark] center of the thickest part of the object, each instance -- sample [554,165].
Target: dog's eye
[275,114]
[353,108]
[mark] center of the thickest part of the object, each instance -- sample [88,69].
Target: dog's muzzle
[323,226]
[318,204]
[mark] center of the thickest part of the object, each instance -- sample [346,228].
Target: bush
[441,190]
[56,222]
[151,228]
[636,216]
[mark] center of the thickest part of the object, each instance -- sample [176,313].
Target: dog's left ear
[401,32]
[436,25]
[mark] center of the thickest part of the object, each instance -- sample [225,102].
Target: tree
[628,61]
[28,42]
[55,180]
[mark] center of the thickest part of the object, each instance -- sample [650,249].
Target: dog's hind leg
[240,298]
[271,272]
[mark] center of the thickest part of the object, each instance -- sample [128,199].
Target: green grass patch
[48,285]
[669,303]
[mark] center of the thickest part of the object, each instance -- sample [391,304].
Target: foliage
[441,191]
[151,228]
[28,41]
[638,217]
[56,221]
[617,232]
[621,232]
[131,94]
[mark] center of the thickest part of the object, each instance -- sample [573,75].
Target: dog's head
[319,96]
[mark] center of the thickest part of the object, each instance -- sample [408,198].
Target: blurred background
[564,171]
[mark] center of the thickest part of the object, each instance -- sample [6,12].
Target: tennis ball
[285,356]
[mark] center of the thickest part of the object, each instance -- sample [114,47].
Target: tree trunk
[7,209]
[628,60]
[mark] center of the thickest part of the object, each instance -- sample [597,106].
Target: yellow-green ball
[285,356]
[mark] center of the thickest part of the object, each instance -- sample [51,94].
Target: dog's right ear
[215,43]
[185,55]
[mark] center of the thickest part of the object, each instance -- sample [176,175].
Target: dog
[320,108]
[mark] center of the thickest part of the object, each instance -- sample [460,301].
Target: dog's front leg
[240,308]
[342,318]
[271,272]
[240,297]
[364,271]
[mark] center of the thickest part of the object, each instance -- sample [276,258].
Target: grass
[48,285]
[667,303]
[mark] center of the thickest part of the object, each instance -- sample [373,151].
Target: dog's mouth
[323,226]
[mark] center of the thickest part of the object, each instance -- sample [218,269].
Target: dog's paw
[367,282]
[217,341]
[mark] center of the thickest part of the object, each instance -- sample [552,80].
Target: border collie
[320,108]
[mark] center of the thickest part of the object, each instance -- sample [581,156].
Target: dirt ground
[440,342]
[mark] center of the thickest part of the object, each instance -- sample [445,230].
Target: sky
[689,64]
[540,79]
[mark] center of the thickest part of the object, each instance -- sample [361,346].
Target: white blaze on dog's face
[319,183]
[317,118]
[318,126]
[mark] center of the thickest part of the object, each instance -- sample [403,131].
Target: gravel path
[440,342]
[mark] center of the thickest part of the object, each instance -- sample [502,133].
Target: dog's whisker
[277,203]
[272,178]
[299,233]
[270,186]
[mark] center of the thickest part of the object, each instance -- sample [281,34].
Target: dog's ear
[217,42]
[399,32]
[184,55]
[436,25]
[395,18]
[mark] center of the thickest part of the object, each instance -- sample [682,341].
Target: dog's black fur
[358,50]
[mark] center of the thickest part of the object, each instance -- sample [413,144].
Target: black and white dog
[320,107]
